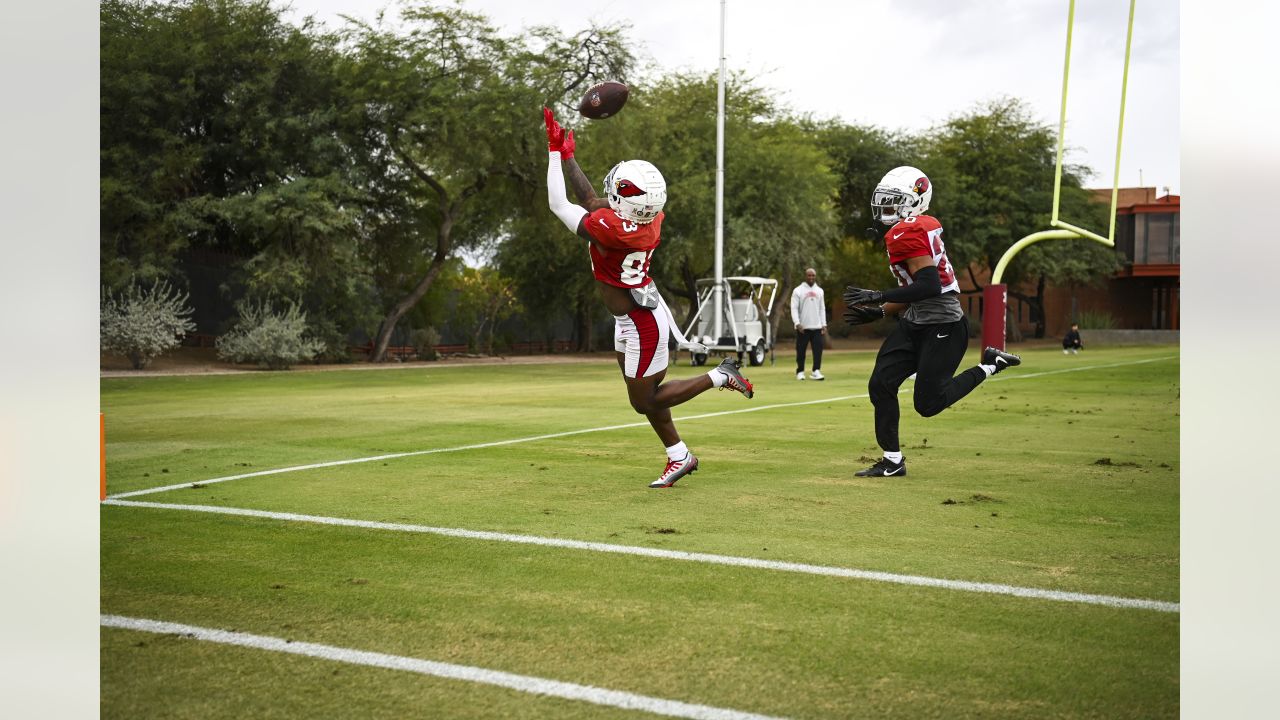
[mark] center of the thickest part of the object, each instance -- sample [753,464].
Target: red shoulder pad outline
[598,226]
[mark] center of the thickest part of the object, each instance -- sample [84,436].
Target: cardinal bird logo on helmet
[921,185]
[626,188]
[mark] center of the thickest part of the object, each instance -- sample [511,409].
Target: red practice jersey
[918,236]
[622,250]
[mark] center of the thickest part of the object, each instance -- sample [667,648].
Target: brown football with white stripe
[604,100]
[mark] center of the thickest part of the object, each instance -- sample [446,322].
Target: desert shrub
[334,347]
[1097,320]
[424,341]
[274,340]
[142,324]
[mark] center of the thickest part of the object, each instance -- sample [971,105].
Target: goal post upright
[720,301]
[993,332]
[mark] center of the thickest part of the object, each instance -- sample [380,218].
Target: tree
[859,157]
[218,132]
[857,261]
[993,173]
[778,189]
[445,113]
[552,273]
[485,298]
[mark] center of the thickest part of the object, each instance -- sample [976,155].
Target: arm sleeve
[822,305]
[925,284]
[568,213]
[795,308]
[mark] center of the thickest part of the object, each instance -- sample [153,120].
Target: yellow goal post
[995,299]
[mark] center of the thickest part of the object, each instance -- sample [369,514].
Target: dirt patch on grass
[1108,462]
[973,499]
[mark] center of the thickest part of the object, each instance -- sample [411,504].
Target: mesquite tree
[444,113]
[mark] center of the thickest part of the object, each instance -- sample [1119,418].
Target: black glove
[858,296]
[861,315]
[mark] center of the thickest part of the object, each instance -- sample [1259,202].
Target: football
[604,100]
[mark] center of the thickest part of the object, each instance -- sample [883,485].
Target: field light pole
[718,289]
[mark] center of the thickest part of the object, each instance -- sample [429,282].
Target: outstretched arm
[865,305]
[560,146]
[571,215]
[925,284]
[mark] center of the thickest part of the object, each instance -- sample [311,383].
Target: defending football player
[932,332]
[622,232]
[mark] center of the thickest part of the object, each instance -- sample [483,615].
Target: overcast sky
[908,65]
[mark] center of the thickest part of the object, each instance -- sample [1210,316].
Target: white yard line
[534,438]
[830,571]
[508,361]
[522,683]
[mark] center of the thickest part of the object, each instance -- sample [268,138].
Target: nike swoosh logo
[895,237]
[602,222]
[892,472]
[942,336]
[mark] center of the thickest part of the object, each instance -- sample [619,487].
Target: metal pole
[718,288]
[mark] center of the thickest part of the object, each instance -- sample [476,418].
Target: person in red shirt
[932,333]
[622,232]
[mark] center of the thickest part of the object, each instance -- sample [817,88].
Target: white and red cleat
[676,469]
[735,379]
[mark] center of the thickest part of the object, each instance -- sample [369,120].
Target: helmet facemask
[888,205]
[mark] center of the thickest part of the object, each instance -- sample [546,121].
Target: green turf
[1005,487]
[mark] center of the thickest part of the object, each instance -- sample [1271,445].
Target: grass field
[1059,475]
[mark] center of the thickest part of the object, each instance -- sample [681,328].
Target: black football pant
[809,337]
[932,352]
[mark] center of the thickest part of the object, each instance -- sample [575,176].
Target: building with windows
[1144,294]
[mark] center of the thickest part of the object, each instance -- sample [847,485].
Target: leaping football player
[622,232]
[932,333]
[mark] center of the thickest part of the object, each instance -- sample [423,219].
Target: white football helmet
[636,190]
[902,193]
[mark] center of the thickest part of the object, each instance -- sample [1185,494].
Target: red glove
[556,141]
[568,146]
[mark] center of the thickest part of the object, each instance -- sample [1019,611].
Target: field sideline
[1060,477]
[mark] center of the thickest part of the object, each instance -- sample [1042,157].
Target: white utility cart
[745,327]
